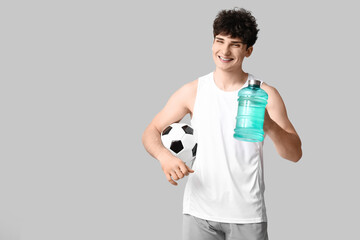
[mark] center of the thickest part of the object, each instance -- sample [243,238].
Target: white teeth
[224,59]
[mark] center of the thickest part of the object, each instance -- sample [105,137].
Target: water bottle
[251,111]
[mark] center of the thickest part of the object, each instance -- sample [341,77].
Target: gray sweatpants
[200,229]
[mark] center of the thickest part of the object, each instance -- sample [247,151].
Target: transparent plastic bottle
[251,111]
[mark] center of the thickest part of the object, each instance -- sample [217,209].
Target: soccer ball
[180,140]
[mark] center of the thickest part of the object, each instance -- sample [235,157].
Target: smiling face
[229,53]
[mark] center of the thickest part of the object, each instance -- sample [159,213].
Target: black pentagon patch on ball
[188,129]
[176,146]
[166,130]
[194,150]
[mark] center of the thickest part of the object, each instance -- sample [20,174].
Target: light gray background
[80,81]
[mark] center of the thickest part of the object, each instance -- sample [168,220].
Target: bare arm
[279,128]
[175,109]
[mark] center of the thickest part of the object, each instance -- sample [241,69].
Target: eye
[236,45]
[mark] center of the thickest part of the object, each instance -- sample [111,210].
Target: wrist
[163,155]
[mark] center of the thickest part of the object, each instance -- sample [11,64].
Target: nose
[225,50]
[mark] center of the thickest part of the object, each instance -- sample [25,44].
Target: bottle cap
[253,82]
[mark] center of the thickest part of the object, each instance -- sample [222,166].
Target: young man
[224,195]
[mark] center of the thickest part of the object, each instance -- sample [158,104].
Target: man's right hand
[174,168]
[178,105]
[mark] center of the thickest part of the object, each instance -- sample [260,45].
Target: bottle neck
[254,86]
[254,83]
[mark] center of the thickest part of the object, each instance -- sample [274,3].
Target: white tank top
[228,182]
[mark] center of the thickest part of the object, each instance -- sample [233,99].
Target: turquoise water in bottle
[251,111]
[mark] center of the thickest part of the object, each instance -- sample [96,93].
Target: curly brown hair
[238,23]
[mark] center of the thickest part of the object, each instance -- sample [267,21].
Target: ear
[249,51]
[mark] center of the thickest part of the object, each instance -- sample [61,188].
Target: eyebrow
[231,41]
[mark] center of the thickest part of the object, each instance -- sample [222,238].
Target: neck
[230,80]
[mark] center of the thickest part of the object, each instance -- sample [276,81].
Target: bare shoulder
[275,101]
[277,109]
[188,93]
[190,88]
[271,91]
[178,105]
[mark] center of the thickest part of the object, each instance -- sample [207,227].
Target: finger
[174,175]
[184,170]
[189,169]
[168,177]
[179,173]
